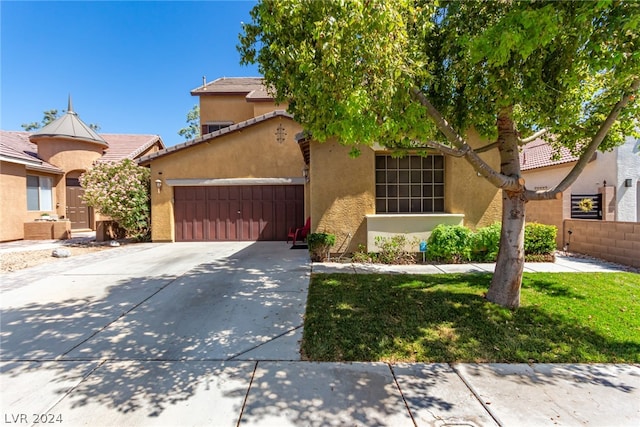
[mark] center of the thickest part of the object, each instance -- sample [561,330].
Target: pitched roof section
[15,147]
[70,126]
[539,154]
[124,146]
[230,86]
[214,135]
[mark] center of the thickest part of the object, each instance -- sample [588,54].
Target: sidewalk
[563,264]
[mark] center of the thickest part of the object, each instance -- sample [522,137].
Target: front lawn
[564,317]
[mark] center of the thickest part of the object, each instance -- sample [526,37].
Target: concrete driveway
[128,333]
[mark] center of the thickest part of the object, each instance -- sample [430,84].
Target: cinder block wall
[610,240]
[550,212]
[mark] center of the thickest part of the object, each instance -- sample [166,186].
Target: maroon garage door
[259,212]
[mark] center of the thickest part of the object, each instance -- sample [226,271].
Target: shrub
[393,250]
[539,239]
[362,256]
[485,243]
[121,191]
[319,245]
[449,243]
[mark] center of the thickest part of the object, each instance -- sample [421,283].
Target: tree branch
[589,151]
[463,149]
[441,123]
[532,137]
[487,147]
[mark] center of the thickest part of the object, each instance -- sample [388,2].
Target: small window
[39,193]
[214,126]
[411,184]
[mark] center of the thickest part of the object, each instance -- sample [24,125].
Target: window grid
[411,184]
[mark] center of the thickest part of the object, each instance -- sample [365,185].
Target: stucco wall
[68,154]
[250,153]
[13,194]
[13,184]
[469,194]
[342,191]
[216,108]
[264,107]
[628,156]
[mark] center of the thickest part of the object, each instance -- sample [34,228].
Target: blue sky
[129,66]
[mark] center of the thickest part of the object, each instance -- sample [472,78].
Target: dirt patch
[13,261]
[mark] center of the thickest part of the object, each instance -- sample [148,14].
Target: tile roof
[69,125]
[15,147]
[252,87]
[539,154]
[216,134]
[127,146]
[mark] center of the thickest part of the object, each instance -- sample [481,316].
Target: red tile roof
[539,154]
[15,147]
[123,146]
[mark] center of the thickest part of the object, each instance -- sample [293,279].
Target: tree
[120,190]
[48,117]
[192,130]
[419,74]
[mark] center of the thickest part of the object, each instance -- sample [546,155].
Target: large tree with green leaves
[419,74]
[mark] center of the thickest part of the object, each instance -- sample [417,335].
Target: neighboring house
[611,179]
[39,171]
[253,174]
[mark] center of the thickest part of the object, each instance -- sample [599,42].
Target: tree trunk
[507,278]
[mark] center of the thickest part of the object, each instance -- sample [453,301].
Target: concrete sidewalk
[563,264]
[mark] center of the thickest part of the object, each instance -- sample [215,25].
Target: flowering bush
[121,191]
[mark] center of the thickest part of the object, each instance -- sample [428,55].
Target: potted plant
[45,217]
[319,246]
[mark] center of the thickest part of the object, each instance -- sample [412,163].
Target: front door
[77,209]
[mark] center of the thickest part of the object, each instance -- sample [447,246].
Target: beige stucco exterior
[251,153]
[342,197]
[13,181]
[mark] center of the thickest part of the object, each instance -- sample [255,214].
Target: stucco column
[608,203]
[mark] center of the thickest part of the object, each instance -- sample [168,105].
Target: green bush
[319,245]
[393,250]
[539,239]
[449,243]
[485,243]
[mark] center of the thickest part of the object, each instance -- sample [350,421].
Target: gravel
[13,261]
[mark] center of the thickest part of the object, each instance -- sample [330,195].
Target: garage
[237,212]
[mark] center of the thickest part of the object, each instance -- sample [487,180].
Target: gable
[264,148]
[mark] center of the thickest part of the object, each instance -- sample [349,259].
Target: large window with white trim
[39,193]
[411,184]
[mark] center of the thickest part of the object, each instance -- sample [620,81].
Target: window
[39,193]
[214,126]
[411,184]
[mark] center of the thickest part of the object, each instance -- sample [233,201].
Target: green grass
[564,317]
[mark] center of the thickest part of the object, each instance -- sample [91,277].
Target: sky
[129,66]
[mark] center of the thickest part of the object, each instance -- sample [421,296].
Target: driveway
[136,329]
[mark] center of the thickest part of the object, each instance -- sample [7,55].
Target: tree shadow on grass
[444,319]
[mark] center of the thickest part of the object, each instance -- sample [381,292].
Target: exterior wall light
[159,184]
[305,173]
[627,183]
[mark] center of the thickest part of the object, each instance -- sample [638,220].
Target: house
[611,180]
[254,173]
[39,174]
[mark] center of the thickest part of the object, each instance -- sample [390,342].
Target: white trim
[209,182]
